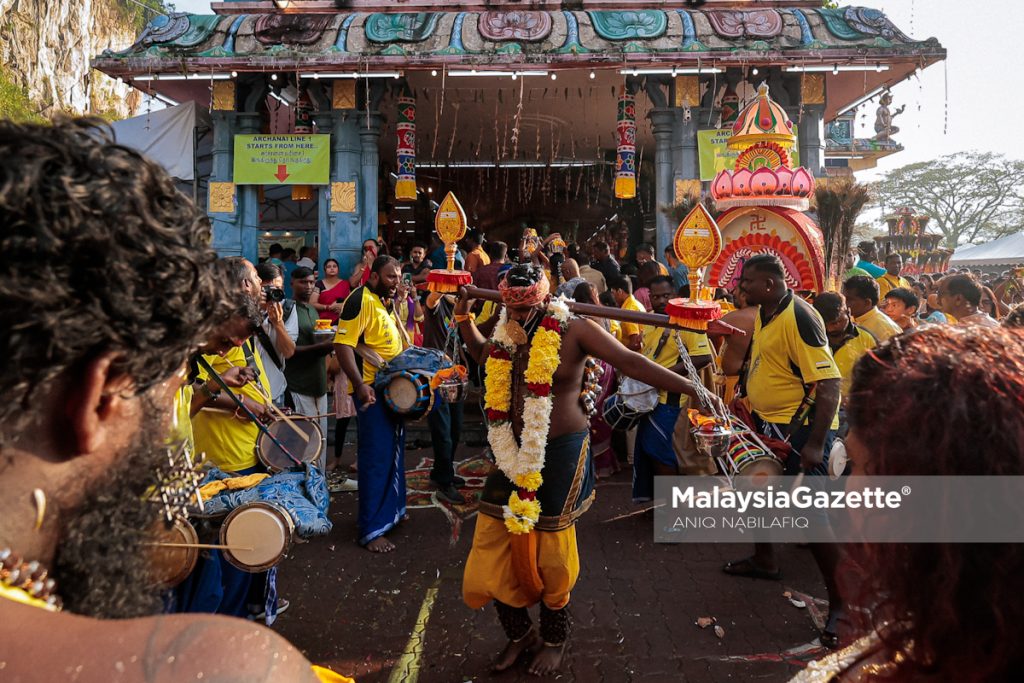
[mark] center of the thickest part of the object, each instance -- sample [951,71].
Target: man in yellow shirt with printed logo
[790,364]
[367,326]
[654,454]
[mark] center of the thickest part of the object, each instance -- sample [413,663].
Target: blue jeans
[445,422]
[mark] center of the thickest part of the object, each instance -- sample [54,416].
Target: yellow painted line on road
[407,668]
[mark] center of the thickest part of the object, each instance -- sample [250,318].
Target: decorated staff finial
[450,225]
[697,243]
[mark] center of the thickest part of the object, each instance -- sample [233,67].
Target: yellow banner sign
[282,159]
[715,155]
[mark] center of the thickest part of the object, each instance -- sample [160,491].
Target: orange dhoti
[517,571]
[491,570]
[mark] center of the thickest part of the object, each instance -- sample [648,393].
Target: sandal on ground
[747,568]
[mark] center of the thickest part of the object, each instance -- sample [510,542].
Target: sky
[985,83]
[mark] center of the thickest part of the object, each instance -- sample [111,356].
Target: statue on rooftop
[884,130]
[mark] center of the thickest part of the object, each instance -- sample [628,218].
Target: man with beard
[367,327]
[513,565]
[107,272]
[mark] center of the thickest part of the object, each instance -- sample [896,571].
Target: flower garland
[522,464]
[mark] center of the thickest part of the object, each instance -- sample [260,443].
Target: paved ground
[400,617]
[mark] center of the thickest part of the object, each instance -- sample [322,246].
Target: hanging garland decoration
[522,463]
[625,157]
[405,186]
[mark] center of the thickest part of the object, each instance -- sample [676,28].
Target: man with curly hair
[519,570]
[106,286]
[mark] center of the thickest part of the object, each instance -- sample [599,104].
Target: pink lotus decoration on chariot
[763,174]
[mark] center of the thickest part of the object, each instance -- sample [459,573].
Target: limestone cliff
[45,47]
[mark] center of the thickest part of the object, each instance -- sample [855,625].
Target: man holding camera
[275,338]
[306,371]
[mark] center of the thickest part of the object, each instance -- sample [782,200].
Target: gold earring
[40,500]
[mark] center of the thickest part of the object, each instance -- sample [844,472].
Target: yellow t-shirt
[365,319]
[887,283]
[879,324]
[181,427]
[696,345]
[229,443]
[850,352]
[788,351]
[627,330]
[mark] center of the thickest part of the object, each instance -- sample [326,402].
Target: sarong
[381,457]
[653,445]
[567,492]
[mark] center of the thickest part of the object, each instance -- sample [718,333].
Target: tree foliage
[972,197]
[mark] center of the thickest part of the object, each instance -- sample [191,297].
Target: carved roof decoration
[413,38]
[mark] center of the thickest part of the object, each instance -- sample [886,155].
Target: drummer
[654,454]
[367,328]
[228,438]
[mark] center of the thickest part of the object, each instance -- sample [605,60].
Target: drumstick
[245,409]
[205,546]
[280,414]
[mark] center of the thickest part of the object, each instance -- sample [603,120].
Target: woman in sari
[605,462]
[330,292]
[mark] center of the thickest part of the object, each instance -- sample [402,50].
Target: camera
[273,294]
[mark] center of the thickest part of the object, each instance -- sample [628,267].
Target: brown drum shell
[274,459]
[231,534]
[170,566]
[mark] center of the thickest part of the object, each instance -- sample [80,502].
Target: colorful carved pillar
[625,158]
[344,241]
[405,186]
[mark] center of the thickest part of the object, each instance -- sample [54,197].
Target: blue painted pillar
[369,140]
[227,237]
[812,139]
[248,197]
[344,228]
[662,120]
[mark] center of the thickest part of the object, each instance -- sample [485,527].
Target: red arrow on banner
[282,172]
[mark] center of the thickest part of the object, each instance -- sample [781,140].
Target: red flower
[527,495]
[497,415]
[499,353]
[551,323]
[539,389]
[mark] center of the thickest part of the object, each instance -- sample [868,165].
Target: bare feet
[380,545]
[547,660]
[514,649]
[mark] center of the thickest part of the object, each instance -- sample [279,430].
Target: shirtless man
[516,570]
[734,347]
[108,273]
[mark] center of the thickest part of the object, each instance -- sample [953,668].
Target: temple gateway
[335,121]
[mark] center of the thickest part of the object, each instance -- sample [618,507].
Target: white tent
[1006,251]
[178,138]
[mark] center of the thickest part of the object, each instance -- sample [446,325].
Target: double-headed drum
[408,394]
[256,536]
[302,438]
[173,553]
[633,400]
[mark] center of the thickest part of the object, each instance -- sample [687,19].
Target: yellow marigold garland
[523,463]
